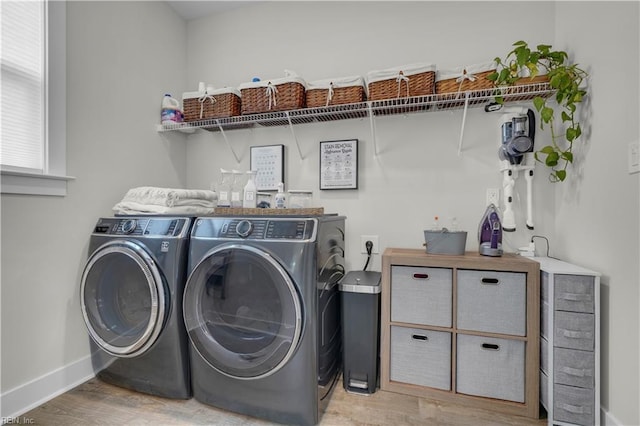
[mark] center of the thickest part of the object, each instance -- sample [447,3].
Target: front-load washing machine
[131,298]
[262,311]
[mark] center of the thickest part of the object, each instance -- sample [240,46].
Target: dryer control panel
[256,228]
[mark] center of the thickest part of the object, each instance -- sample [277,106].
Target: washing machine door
[123,298]
[243,312]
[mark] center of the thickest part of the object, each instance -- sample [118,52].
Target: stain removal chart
[339,164]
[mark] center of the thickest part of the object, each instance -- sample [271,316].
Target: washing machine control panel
[156,227]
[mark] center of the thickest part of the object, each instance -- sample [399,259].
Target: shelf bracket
[224,135]
[464,119]
[293,133]
[372,124]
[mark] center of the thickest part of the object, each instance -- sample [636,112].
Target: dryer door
[123,298]
[242,312]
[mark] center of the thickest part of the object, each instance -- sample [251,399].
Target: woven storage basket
[220,103]
[338,91]
[525,89]
[463,79]
[402,82]
[273,95]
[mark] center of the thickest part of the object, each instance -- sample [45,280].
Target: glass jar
[224,188]
[264,200]
[299,199]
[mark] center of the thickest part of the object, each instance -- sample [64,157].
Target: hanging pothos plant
[566,80]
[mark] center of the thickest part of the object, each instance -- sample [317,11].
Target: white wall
[122,57]
[591,220]
[416,173]
[597,214]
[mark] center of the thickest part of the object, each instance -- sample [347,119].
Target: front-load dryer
[131,298]
[262,311]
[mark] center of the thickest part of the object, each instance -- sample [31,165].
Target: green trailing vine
[566,80]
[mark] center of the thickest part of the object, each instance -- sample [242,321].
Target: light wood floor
[98,403]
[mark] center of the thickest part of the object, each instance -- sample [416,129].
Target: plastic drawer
[574,293]
[491,367]
[421,295]
[492,301]
[421,357]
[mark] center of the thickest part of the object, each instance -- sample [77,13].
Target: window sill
[34,183]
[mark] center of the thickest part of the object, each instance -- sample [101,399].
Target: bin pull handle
[490,281]
[491,346]
[419,337]
[417,276]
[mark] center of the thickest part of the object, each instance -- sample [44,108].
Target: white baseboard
[608,419]
[21,399]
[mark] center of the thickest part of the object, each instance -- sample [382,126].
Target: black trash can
[360,292]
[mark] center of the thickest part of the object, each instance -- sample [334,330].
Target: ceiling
[197,9]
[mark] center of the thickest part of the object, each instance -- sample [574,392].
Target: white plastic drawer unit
[493,302]
[421,295]
[421,357]
[491,367]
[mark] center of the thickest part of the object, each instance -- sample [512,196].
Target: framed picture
[339,164]
[268,162]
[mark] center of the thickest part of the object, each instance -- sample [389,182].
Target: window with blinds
[23,60]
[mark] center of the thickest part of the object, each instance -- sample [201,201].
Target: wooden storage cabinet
[570,343]
[461,328]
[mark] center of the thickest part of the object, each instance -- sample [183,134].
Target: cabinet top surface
[507,261]
[557,266]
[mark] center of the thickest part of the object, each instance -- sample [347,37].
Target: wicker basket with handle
[337,91]
[282,94]
[463,79]
[402,82]
[220,103]
[452,84]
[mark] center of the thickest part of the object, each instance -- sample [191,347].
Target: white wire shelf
[430,103]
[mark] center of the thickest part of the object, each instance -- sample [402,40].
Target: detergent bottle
[249,194]
[171,113]
[280,198]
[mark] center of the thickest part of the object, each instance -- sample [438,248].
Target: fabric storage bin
[338,91]
[573,367]
[574,331]
[490,367]
[422,295]
[220,103]
[573,405]
[283,94]
[493,302]
[420,357]
[402,82]
[574,293]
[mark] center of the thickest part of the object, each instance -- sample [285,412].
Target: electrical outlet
[363,244]
[493,196]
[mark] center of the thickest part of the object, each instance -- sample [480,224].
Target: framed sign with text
[339,164]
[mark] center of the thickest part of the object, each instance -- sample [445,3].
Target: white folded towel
[132,208]
[171,197]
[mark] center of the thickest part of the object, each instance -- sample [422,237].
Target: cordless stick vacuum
[517,134]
